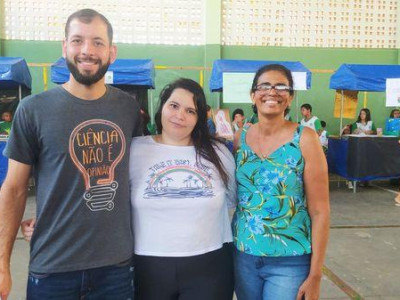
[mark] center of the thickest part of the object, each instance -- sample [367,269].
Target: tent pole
[20,92]
[151,107]
[341,113]
[365,100]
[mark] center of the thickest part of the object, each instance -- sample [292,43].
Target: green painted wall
[319,96]
[172,56]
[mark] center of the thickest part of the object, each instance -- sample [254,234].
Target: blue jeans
[105,283]
[269,278]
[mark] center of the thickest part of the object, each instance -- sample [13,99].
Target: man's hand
[5,283]
[27,227]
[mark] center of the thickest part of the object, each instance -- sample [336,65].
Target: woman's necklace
[270,143]
[261,154]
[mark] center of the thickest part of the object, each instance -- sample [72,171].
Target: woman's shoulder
[140,141]
[308,136]
[222,149]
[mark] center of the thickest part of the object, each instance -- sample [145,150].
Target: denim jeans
[269,278]
[105,283]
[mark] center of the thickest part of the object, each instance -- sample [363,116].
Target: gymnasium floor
[363,260]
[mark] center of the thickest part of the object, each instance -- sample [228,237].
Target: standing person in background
[210,123]
[323,138]
[76,138]
[364,124]
[309,120]
[238,119]
[282,181]
[396,115]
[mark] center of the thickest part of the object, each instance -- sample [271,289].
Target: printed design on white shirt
[178,178]
[96,147]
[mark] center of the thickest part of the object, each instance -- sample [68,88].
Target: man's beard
[87,79]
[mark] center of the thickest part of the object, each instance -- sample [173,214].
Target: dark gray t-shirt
[79,151]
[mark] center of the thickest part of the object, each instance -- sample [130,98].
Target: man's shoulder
[33,100]
[114,91]
[120,95]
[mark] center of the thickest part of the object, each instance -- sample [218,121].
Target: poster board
[222,122]
[392,92]
[350,99]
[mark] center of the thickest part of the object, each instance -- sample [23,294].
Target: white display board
[237,87]
[299,81]
[392,92]
[109,77]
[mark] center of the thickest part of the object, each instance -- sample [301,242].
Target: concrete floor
[363,260]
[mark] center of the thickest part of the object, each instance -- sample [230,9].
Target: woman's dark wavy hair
[392,112]
[202,140]
[273,67]
[367,117]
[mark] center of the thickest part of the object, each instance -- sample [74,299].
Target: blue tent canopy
[363,77]
[14,72]
[221,66]
[125,72]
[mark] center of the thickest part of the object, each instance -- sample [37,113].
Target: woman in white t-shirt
[182,186]
[364,124]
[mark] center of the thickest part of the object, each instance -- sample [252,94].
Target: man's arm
[13,195]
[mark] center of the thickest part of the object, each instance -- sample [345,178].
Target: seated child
[5,126]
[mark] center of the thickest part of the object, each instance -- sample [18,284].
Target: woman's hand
[27,228]
[310,288]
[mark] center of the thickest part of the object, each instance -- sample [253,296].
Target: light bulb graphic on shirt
[96,147]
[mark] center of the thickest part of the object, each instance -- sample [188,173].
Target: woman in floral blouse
[282,190]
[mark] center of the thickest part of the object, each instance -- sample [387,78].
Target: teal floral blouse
[271,218]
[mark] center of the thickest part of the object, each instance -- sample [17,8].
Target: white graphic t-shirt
[179,206]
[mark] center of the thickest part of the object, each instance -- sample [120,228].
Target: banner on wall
[392,92]
[350,99]
[237,85]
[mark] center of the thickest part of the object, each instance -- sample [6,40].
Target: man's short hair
[307,106]
[237,111]
[86,16]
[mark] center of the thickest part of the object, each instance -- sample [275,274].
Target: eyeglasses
[279,89]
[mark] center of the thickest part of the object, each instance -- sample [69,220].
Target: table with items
[361,158]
